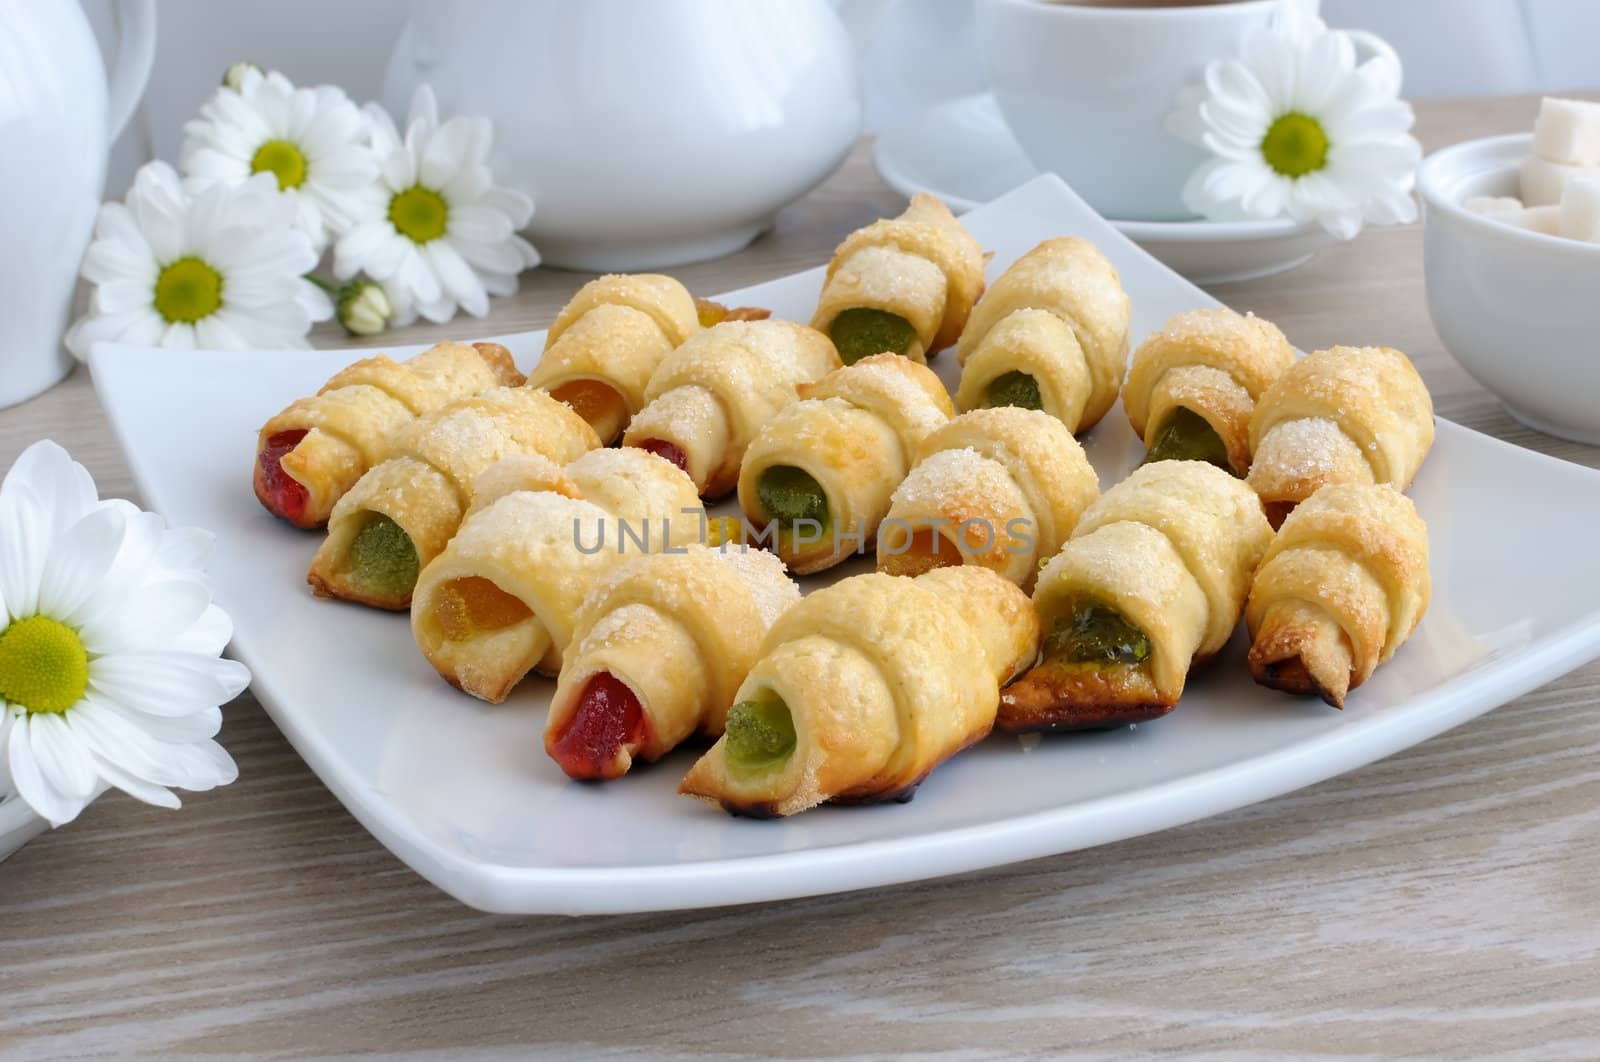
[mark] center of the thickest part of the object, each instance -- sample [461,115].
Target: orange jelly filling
[595,402]
[926,551]
[467,608]
[606,719]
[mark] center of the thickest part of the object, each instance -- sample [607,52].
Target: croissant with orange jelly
[1193,386]
[315,449]
[709,397]
[1002,488]
[1346,415]
[901,285]
[1152,581]
[608,340]
[1052,334]
[863,688]
[400,515]
[817,478]
[660,646]
[1342,587]
[503,597]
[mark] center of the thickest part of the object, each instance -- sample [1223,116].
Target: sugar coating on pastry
[983,483]
[1580,210]
[766,576]
[1300,453]
[1567,131]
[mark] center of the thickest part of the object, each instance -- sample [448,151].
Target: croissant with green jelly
[318,447]
[901,285]
[659,649]
[816,481]
[608,340]
[1152,582]
[1193,386]
[503,598]
[1051,334]
[710,396]
[861,689]
[403,512]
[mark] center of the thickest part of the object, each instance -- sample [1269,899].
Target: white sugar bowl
[1515,307]
[649,134]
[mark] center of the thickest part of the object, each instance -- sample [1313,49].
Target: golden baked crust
[712,394]
[1343,585]
[1002,488]
[426,484]
[1345,415]
[1215,363]
[885,678]
[615,332]
[350,423]
[856,432]
[1059,314]
[542,551]
[922,266]
[681,631]
[1171,550]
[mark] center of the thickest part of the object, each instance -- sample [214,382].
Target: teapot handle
[130,70]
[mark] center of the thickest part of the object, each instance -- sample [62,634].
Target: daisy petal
[168,683]
[30,782]
[79,560]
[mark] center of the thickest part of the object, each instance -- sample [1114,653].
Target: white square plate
[464,793]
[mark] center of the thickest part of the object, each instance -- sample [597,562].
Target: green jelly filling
[1013,389]
[861,332]
[383,558]
[1095,634]
[789,494]
[1187,436]
[760,734]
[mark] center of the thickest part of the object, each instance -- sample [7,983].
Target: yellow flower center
[43,665]
[419,214]
[1295,145]
[188,290]
[283,160]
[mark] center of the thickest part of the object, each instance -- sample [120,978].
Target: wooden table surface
[1444,902]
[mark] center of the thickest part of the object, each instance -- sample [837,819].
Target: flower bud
[364,308]
[234,76]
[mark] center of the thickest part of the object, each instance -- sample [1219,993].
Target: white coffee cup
[1087,90]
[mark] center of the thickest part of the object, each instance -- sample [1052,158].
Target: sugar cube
[1580,210]
[1545,219]
[1490,206]
[1568,131]
[1543,180]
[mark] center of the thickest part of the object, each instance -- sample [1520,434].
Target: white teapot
[57,121]
[649,134]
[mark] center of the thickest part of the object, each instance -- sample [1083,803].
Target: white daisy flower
[109,646]
[313,140]
[442,235]
[1300,130]
[221,269]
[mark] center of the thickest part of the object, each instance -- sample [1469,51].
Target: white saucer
[962,152]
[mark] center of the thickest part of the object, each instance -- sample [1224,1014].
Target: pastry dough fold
[855,432]
[1345,415]
[709,397]
[426,484]
[679,631]
[503,597]
[1002,488]
[1058,315]
[1170,552]
[1341,588]
[884,678]
[923,267]
[1216,364]
[313,451]
[608,340]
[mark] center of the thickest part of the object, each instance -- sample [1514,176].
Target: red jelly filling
[606,719]
[281,493]
[671,451]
